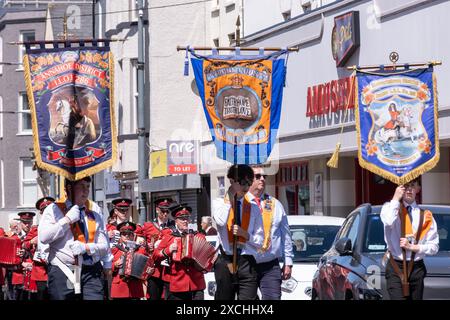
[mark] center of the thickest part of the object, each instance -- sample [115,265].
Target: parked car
[312,236]
[352,268]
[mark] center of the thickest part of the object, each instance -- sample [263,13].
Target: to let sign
[345,37]
[182,157]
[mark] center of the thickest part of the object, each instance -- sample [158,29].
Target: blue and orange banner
[397,123]
[70,93]
[241,98]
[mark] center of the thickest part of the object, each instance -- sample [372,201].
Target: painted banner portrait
[70,92]
[397,123]
[241,98]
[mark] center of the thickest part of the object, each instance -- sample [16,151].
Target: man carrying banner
[77,239]
[250,235]
[277,246]
[418,238]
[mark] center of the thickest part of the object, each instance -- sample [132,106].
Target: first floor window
[28,184]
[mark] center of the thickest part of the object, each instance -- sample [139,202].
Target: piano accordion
[9,248]
[196,249]
[136,265]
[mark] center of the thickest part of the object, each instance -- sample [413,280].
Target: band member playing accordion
[187,280]
[21,277]
[38,251]
[129,272]
[119,213]
[158,283]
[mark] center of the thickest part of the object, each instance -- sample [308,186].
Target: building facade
[306,141]
[21,183]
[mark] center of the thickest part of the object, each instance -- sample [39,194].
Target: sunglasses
[122,209]
[127,233]
[258,176]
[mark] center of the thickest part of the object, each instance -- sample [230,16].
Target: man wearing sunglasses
[277,245]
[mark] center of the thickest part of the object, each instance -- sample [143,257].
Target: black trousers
[190,295]
[156,287]
[416,281]
[91,283]
[244,283]
[42,293]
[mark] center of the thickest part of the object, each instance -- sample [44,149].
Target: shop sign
[329,97]
[182,156]
[345,37]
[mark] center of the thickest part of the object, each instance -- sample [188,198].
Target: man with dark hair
[78,245]
[239,222]
[410,234]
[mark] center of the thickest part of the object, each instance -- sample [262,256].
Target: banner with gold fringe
[70,93]
[397,123]
[242,98]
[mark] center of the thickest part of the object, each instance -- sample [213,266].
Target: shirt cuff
[107,264]
[395,204]
[63,222]
[92,249]
[288,261]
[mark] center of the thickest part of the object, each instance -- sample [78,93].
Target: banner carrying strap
[186,62]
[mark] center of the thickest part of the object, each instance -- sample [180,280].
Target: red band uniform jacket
[183,277]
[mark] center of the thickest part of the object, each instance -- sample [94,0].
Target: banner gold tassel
[334,160]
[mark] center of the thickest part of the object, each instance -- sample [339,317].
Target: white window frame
[26,182]
[1,55]
[1,117]
[132,6]
[135,95]
[22,48]
[21,112]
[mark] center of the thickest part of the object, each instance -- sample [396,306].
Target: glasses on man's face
[122,210]
[258,176]
[127,234]
[164,211]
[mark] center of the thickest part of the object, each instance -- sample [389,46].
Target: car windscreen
[310,242]
[374,240]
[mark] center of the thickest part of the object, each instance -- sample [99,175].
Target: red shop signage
[329,97]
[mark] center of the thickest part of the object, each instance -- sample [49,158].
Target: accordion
[9,248]
[196,249]
[136,265]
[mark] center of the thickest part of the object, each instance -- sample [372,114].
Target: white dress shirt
[429,244]
[221,211]
[55,231]
[280,235]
